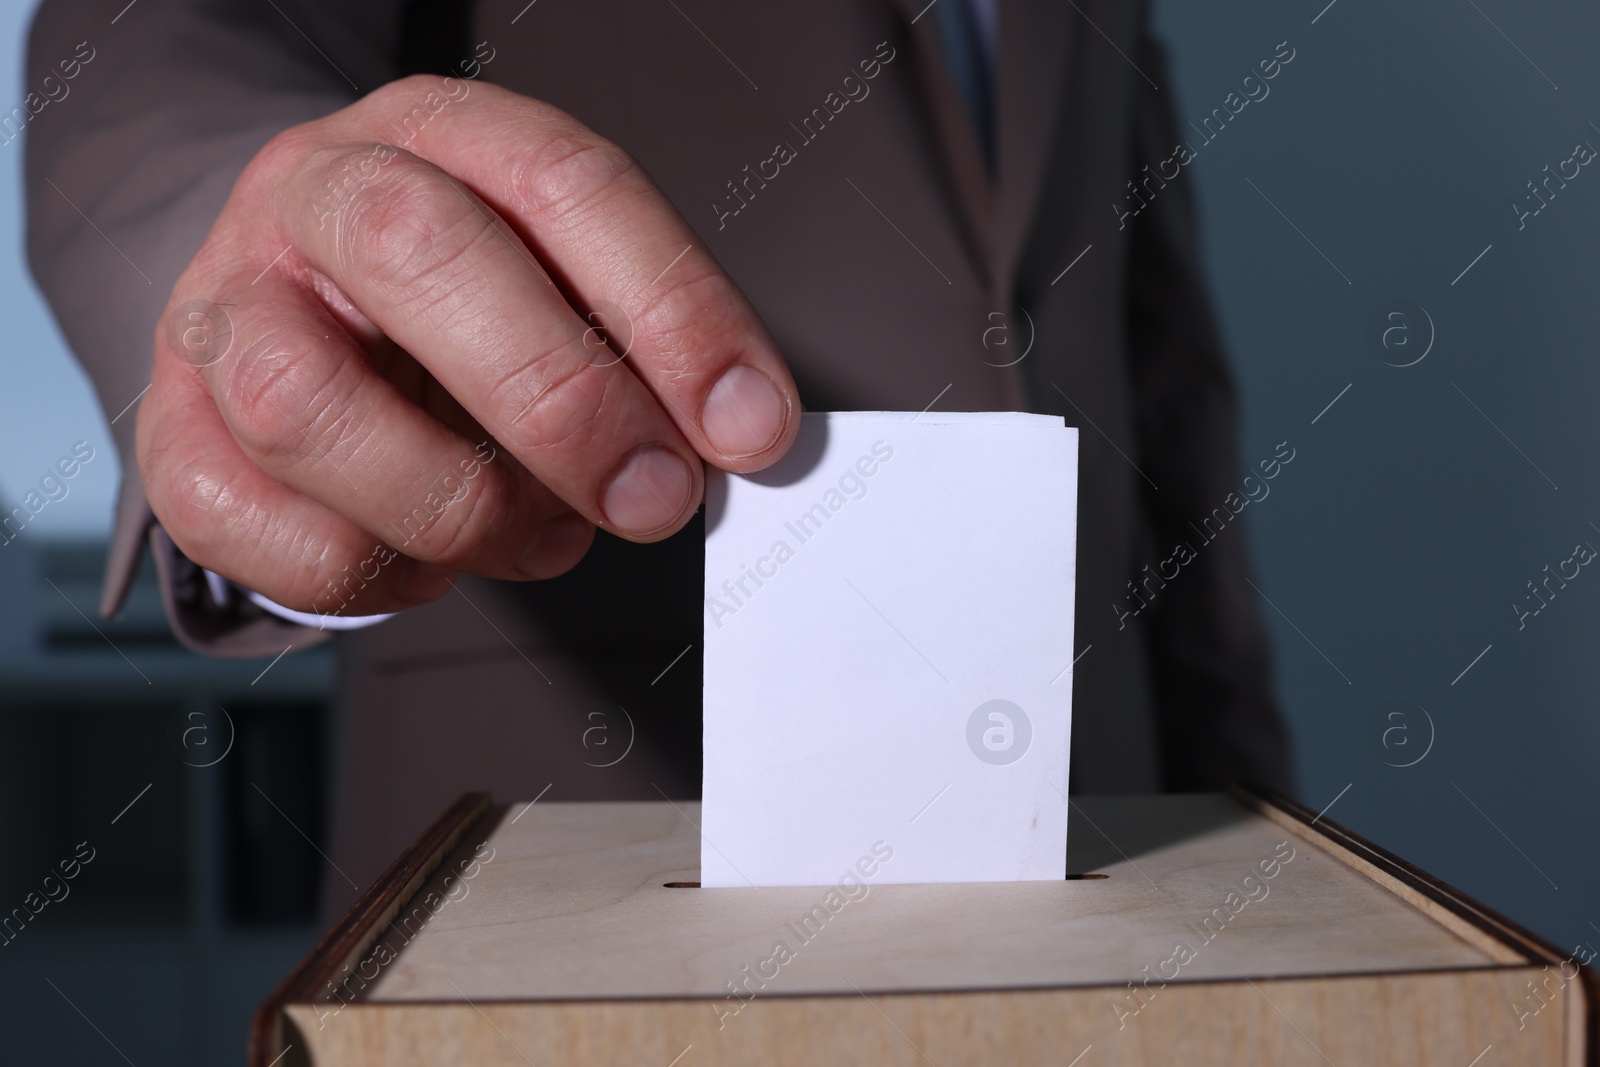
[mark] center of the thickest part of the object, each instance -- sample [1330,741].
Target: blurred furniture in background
[203,824]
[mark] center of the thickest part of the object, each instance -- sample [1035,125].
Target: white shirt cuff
[222,591]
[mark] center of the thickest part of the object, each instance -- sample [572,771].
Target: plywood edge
[1502,939]
[1583,1020]
[348,939]
[1479,925]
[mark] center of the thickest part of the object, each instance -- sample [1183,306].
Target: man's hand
[366,323]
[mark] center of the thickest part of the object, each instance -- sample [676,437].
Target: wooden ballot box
[1194,930]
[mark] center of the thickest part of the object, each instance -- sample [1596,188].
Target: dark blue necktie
[967,50]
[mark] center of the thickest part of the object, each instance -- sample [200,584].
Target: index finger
[623,255]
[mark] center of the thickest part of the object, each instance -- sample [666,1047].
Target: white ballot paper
[888,653]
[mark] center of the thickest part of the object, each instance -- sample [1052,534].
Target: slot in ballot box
[1196,929]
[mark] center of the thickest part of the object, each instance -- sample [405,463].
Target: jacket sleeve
[129,159]
[1218,719]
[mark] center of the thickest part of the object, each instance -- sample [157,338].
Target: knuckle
[460,527]
[569,173]
[285,152]
[189,484]
[401,89]
[337,175]
[313,166]
[694,322]
[332,572]
[210,520]
[193,500]
[549,404]
[284,399]
[272,172]
[410,229]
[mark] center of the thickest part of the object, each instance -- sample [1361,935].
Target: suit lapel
[956,142]
[1030,77]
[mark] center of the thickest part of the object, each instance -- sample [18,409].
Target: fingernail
[744,413]
[424,582]
[555,546]
[648,491]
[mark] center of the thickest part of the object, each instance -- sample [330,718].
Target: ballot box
[1195,929]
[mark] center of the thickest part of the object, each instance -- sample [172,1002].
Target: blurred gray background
[1421,504]
[1376,179]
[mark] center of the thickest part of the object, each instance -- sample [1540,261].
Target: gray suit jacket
[895,270]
